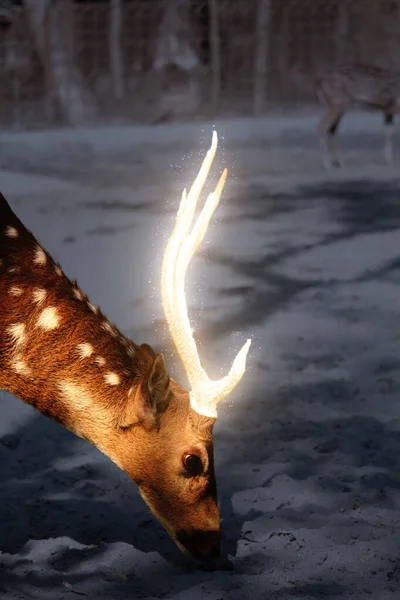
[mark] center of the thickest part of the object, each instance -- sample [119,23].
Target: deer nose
[203,545]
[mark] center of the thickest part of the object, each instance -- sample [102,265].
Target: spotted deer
[60,354]
[355,85]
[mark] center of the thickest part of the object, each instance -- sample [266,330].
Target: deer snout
[202,545]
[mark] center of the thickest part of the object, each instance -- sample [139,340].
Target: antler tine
[183,220]
[199,229]
[188,247]
[173,286]
[204,398]
[181,247]
[189,201]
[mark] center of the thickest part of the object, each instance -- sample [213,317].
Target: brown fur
[354,85]
[144,422]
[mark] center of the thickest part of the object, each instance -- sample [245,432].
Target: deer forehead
[186,429]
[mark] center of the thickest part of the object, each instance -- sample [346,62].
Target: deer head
[174,462]
[60,354]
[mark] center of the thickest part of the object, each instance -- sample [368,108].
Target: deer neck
[58,352]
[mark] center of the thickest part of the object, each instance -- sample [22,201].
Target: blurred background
[89,61]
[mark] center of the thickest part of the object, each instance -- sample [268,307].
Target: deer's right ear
[147,349]
[151,399]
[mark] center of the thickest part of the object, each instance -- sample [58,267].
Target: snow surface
[308,448]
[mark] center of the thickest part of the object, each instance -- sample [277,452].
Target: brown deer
[61,355]
[355,85]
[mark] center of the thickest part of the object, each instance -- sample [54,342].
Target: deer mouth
[202,546]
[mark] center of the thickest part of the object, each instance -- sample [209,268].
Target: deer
[355,85]
[61,355]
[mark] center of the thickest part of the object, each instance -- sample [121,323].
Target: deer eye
[193,464]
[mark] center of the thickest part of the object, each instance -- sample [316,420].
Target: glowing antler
[205,393]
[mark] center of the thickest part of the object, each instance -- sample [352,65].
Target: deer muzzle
[204,546]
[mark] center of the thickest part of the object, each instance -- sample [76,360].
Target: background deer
[355,85]
[61,355]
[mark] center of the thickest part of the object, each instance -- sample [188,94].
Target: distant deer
[352,85]
[61,355]
[355,85]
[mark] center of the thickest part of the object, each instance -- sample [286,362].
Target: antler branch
[205,393]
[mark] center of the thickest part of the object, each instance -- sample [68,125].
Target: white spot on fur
[58,270]
[20,366]
[17,333]
[40,256]
[112,378]
[38,295]
[131,351]
[48,318]
[93,308]
[15,290]
[109,328]
[90,416]
[13,270]
[11,232]
[84,350]
[100,361]
[130,390]
[76,395]
[78,294]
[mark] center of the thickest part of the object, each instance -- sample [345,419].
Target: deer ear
[158,385]
[148,350]
[151,399]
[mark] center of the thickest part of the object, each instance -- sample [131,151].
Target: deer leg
[327,129]
[389,132]
[335,147]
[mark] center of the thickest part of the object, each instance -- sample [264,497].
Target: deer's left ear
[158,385]
[151,399]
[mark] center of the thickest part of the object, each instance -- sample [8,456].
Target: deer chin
[209,564]
[201,546]
[205,554]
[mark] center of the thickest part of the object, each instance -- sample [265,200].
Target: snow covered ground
[308,448]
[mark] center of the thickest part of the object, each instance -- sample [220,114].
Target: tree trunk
[345,50]
[174,44]
[115,50]
[55,47]
[51,97]
[215,56]
[177,63]
[261,56]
